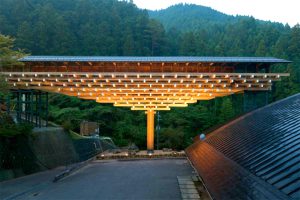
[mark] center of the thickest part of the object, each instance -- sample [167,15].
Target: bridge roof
[152,59]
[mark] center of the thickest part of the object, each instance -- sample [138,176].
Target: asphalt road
[130,179]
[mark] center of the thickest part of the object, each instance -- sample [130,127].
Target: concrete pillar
[150,130]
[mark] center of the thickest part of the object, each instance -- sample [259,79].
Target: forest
[119,28]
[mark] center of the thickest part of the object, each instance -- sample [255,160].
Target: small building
[89,128]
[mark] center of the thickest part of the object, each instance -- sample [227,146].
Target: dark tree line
[111,27]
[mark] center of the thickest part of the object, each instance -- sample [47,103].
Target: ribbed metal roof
[263,148]
[152,59]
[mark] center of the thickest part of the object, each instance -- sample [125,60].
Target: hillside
[190,17]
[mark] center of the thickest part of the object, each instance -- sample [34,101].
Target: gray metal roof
[256,156]
[152,59]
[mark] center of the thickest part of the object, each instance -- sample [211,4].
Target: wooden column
[150,130]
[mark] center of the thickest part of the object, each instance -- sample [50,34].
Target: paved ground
[110,179]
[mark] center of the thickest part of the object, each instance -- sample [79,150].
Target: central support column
[150,130]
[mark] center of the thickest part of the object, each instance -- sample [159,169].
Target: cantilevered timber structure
[145,83]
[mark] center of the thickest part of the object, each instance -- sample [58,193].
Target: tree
[8,58]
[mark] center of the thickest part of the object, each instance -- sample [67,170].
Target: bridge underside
[143,84]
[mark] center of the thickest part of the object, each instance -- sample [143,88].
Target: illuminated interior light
[219,81]
[91,94]
[15,84]
[162,85]
[188,76]
[206,81]
[270,81]
[100,76]
[77,85]
[169,81]
[51,84]
[49,75]
[265,76]
[30,80]
[249,85]
[95,89]
[218,90]
[113,76]
[64,85]
[102,94]
[150,85]
[138,85]
[150,75]
[44,80]
[132,90]
[89,85]
[278,76]
[181,81]
[180,90]
[198,94]
[145,90]
[59,89]
[187,85]
[193,90]
[175,76]
[175,85]
[74,75]
[212,85]
[61,75]
[131,80]
[231,80]
[83,89]
[226,76]
[205,90]
[252,76]
[201,76]
[23,75]
[239,76]
[210,94]
[144,80]
[125,75]
[119,80]
[78,93]
[245,81]
[169,90]
[194,80]
[163,76]
[69,80]
[114,85]
[156,80]
[156,90]
[237,85]
[106,80]
[56,80]
[200,85]
[101,85]
[138,76]
[213,76]
[10,75]
[94,80]
[71,89]
[261,85]
[224,85]
[126,85]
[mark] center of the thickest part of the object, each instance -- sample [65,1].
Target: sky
[284,11]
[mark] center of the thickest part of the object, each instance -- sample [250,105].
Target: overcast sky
[284,11]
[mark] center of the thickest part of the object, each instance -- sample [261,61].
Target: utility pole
[157,130]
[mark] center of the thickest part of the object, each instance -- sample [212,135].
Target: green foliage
[9,129]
